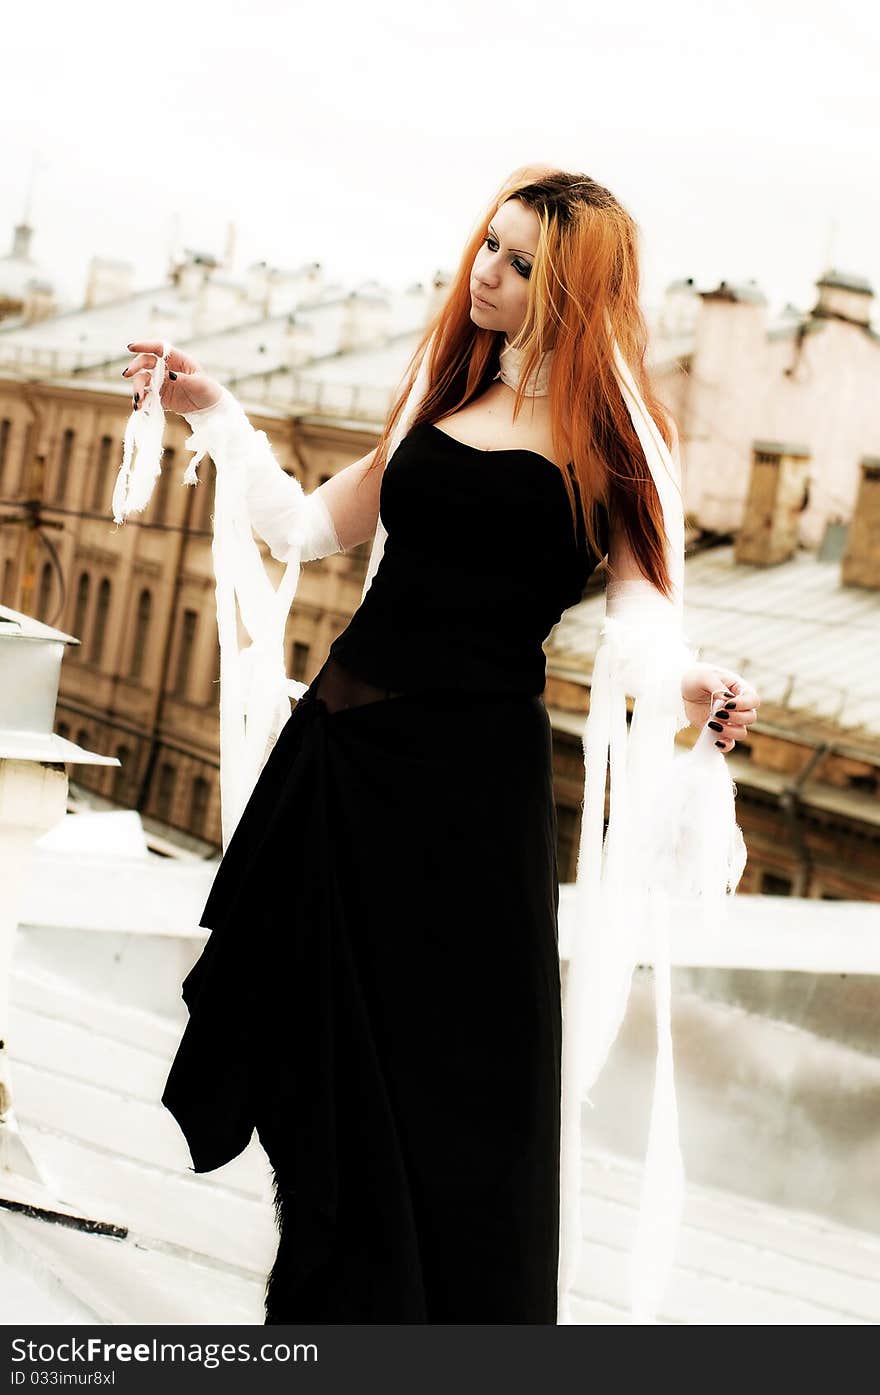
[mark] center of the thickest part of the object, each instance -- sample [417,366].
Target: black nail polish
[716,726]
[137,398]
[125,372]
[722,716]
[173,375]
[730,705]
[720,743]
[729,694]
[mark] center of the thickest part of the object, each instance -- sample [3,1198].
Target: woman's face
[502,266]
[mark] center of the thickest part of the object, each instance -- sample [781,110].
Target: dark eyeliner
[523,273]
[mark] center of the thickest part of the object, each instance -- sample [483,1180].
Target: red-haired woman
[380,993]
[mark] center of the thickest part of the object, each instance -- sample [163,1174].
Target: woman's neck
[512,369]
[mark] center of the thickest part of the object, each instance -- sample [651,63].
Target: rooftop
[807,642]
[108,931]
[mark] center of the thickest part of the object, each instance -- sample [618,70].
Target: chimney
[33,797]
[108,280]
[861,560]
[778,494]
[843,296]
[21,242]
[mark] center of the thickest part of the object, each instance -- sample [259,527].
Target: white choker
[512,367]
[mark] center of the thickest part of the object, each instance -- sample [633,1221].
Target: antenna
[37,162]
[830,244]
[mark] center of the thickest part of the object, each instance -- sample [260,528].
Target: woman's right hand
[185,388]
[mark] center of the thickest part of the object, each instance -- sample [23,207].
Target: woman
[380,993]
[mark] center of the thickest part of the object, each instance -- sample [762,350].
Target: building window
[773,885]
[64,459]
[198,809]
[122,774]
[868,784]
[207,485]
[8,581]
[44,595]
[102,610]
[101,492]
[82,738]
[568,823]
[299,660]
[81,612]
[63,730]
[165,792]
[141,633]
[162,489]
[185,652]
[5,429]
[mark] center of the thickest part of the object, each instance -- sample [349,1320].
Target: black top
[479,564]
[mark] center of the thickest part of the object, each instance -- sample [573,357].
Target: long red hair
[583,293]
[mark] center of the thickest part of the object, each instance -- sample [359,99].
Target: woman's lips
[480,301]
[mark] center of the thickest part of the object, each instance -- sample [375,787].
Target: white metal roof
[807,642]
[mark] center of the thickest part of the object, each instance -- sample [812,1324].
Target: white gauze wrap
[251,488]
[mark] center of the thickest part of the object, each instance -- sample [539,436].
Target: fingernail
[173,375]
[720,743]
[729,705]
[125,372]
[723,716]
[137,398]
[716,726]
[728,694]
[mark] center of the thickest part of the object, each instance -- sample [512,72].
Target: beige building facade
[738,381]
[143,684]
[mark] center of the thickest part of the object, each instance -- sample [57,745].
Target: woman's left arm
[709,692]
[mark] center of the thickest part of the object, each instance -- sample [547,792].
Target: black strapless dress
[379,996]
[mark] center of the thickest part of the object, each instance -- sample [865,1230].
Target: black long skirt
[380,998]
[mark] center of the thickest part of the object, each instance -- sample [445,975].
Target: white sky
[743,137]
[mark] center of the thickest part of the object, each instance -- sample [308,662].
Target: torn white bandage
[290,521]
[648,645]
[142,450]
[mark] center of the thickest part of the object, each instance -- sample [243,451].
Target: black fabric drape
[379,998]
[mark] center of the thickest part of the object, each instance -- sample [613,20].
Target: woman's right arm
[352,499]
[334,517]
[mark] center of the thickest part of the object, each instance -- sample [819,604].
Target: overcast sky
[743,137]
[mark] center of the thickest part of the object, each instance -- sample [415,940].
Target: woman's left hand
[721,697]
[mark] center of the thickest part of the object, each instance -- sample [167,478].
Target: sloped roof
[807,642]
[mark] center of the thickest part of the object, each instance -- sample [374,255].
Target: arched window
[206,487]
[64,458]
[299,660]
[82,738]
[81,612]
[8,581]
[188,623]
[101,491]
[198,808]
[102,610]
[44,595]
[165,792]
[141,633]
[63,729]
[5,429]
[162,490]
[122,775]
